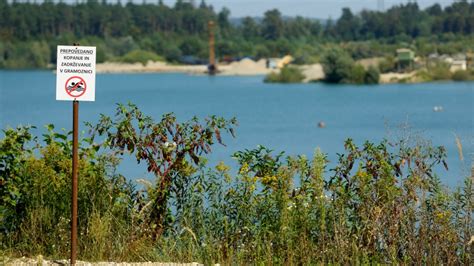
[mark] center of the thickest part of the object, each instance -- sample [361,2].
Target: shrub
[440,72]
[337,65]
[462,75]
[388,64]
[172,53]
[357,75]
[380,203]
[372,76]
[288,74]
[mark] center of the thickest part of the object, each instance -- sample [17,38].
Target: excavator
[286,60]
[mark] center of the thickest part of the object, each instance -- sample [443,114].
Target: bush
[381,203]
[172,53]
[21,55]
[357,75]
[440,71]
[337,65]
[288,74]
[372,76]
[462,75]
[35,197]
[340,68]
[140,56]
[388,64]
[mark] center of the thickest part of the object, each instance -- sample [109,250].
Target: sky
[322,9]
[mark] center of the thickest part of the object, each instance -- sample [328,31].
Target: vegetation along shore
[381,203]
[376,203]
[175,39]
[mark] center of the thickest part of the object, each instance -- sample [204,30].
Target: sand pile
[158,67]
[313,72]
[245,66]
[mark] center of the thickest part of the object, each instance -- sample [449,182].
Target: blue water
[281,117]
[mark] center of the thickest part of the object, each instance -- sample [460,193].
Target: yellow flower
[252,188]
[221,167]
[269,180]
[244,169]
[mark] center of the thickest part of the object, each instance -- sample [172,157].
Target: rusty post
[212,67]
[75,159]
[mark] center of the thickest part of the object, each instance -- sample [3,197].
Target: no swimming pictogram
[75,86]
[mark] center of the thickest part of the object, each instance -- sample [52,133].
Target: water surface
[281,117]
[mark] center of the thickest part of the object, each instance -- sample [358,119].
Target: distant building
[470,59]
[455,63]
[405,58]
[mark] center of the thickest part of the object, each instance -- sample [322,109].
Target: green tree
[272,25]
[337,65]
[250,29]
[170,149]
[348,25]
[192,46]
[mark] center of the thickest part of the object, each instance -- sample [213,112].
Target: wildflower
[244,169]
[252,188]
[291,205]
[269,180]
[221,167]
[172,145]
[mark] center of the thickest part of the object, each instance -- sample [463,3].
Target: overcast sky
[307,8]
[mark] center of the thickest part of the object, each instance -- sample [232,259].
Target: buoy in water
[321,124]
[438,108]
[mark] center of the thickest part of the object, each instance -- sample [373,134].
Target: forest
[130,32]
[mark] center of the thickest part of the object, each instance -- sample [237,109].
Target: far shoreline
[314,73]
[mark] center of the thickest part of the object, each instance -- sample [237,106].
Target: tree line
[181,29]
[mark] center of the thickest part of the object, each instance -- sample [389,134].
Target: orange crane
[212,67]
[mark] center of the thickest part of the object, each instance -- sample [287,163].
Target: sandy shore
[150,67]
[245,67]
[395,77]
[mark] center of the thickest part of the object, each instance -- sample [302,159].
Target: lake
[281,117]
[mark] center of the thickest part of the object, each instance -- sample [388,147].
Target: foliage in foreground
[381,203]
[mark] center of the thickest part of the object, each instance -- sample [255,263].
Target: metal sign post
[75,81]
[75,161]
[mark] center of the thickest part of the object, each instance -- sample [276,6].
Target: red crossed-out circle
[76,86]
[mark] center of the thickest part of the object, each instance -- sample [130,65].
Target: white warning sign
[75,73]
